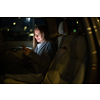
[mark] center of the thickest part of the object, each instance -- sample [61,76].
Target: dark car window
[19,28]
[72,24]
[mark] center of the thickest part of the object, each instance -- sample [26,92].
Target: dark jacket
[40,61]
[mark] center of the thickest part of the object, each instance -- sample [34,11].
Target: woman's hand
[26,51]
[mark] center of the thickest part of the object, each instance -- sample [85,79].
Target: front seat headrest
[62,29]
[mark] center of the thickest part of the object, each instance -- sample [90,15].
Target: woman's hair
[44,31]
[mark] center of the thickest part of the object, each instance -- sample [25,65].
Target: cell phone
[23,46]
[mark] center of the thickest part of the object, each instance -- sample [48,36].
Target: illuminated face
[38,36]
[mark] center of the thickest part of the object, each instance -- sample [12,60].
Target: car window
[58,20]
[19,28]
[72,24]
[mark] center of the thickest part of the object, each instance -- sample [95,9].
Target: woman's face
[38,36]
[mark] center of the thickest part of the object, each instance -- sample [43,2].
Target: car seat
[70,61]
[68,65]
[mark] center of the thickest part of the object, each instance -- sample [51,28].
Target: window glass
[19,28]
[58,20]
[72,24]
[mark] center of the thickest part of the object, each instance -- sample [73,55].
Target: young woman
[36,61]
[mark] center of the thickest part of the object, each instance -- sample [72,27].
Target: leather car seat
[68,65]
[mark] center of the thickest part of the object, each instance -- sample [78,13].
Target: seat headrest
[62,29]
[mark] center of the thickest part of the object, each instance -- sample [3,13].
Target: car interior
[69,66]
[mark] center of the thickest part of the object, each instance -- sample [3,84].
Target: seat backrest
[63,31]
[68,65]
